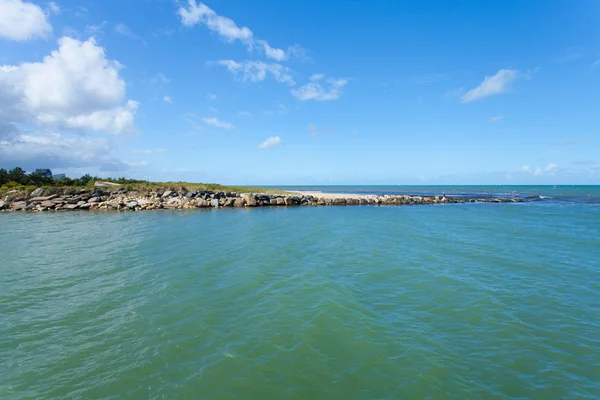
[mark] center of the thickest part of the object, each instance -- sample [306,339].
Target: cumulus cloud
[492,85]
[320,88]
[53,7]
[256,71]
[199,13]
[497,118]
[270,142]
[75,87]
[213,121]
[67,101]
[20,20]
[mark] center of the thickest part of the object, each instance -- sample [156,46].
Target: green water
[479,301]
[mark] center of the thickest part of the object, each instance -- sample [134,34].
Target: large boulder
[239,202]
[38,192]
[2,204]
[132,204]
[168,193]
[19,205]
[250,200]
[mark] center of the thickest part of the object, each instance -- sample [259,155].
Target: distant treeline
[18,177]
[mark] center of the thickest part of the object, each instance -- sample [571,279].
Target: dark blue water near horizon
[580,194]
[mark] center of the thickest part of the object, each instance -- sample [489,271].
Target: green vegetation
[17,179]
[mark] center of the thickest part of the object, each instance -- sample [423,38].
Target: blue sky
[303,92]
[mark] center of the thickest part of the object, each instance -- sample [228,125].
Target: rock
[48,204]
[280,201]
[70,206]
[214,202]
[43,198]
[2,204]
[85,206]
[18,205]
[168,193]
[37,192]
[250,200]
[70,192]
[132,204]
[191,195]
[229,202]
[94,200]
[239,202]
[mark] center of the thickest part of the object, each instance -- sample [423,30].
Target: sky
[303,92]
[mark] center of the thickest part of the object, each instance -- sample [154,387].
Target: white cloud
[75,87]
[550,169]
[149,151]
[95,29]
[52,150]
[245,114]
[160,79]
[314,90]
[21,20]
[53,7]
[270,142]
[199,13]
[213,121]
[167,99]
[124,30]
[497,118]
[492,85]
[211,96]
[271,52]
[212,109]
[256,71]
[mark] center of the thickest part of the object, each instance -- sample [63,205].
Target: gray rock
[18,205]
[38,192]
[2,204]
[70,206]
[132,204]
[70,192]
[94,200]
[85,206]
[214,202]
[168,193]
[43,198]
[48,204]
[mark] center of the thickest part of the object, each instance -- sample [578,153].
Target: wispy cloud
[492,85]
[167,99]
[213,121]
[95,29]
[496,119]
[270,142]
[53,7]
[211,96]
[199,13]
[315,90]
[244,113]
[124,30]
[160,79]
[257,71]
[550,169]
[312,129]
[149,151]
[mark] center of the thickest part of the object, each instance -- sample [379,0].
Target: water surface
[495,301]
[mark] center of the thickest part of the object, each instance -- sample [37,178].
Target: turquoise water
[477,301]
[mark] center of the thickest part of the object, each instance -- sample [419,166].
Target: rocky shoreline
[98,199]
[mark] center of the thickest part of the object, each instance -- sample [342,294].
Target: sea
[448,301]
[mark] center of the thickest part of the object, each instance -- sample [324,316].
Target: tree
[3,176]
[18,175]
[85,179]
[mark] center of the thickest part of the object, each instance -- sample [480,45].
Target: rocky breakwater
[121,200]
